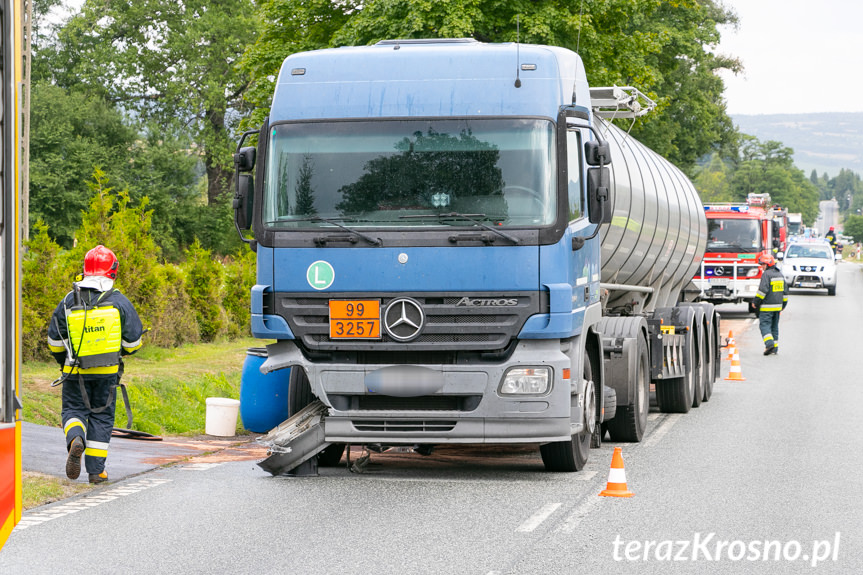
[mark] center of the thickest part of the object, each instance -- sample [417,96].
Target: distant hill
[826,142]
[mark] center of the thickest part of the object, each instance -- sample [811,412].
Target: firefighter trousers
[80,421]
[768,322]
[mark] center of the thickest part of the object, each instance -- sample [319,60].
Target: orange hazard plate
[355,319]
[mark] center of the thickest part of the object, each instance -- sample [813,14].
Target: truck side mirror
[244,160]
[597,153]
[598,195]
[243,200]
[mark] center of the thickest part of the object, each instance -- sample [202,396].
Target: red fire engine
[737,235]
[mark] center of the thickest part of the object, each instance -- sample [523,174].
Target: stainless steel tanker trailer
[454,247]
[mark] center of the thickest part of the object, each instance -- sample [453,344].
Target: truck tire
[698,373]
[709,355]
[609,409]
[299,396]
[631,420]
[831,290]
[571,455]
[675,395]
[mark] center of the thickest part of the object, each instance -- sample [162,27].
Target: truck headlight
[526,381]
[752,272]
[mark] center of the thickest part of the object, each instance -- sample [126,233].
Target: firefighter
[88,333]
[770,300]
[830,236]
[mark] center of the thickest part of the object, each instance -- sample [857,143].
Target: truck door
[10,426]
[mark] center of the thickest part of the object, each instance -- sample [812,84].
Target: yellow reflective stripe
[92,370]
[777,285]
[93,452]
[132,346]
[74,422]
[56,348]
[759,295]
[768,337]
[771,308]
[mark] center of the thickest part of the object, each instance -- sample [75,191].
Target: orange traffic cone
[734,373]
[732,347]
[616,486]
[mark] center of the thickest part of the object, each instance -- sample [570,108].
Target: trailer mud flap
[296,441]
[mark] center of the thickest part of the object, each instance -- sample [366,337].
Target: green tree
[663,48]
[305,193]
[71,133]
[173,63]
[711,180]
[854,227]
[204,277]
[768,167]
[43,267]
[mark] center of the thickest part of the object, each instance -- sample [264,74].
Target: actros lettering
[486,302]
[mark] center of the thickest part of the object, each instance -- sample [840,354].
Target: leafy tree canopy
[173,63]
[660,47]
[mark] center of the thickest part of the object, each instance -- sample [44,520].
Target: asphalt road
[769,468]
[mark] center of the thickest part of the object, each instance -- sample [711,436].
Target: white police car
[810,264]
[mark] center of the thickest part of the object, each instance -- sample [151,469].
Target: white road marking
[662,429]
[41,516]
[537,518]
[200,466]
[571,522]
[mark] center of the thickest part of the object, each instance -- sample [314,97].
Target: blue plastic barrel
[263,397]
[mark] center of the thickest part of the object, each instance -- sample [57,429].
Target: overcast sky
[799,56]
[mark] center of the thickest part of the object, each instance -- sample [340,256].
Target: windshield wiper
[368,238]
[468,217]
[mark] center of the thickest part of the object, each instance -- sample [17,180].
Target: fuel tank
[658,232]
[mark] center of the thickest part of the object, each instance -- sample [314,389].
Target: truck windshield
[373,173]
[731,235]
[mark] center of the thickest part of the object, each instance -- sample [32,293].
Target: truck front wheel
[572,455]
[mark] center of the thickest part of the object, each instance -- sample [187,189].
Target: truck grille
[727,271]
[482,327]
[404,426]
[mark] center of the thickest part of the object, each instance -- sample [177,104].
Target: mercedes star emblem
[404,319]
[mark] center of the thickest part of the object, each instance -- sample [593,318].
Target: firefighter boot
[98,477]
[73,460]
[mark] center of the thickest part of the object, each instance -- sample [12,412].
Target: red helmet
[767,260]
[831,228]
[100,261]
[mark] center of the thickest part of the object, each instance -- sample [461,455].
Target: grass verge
[39,489]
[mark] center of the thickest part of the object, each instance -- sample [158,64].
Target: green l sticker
[320,275]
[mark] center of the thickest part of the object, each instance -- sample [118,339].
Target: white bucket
[222,416]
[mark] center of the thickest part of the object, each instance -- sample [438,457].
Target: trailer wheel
[631,420]
[675,395]
[299,396]
[698,374]
[709,355]
[572,455]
